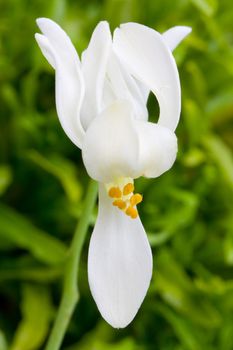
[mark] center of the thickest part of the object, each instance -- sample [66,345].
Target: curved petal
[110,147]
[116,145]
[94,65]
[157,148]
[173,36]
[60,53]
[149,60]
[119,264]
[124,86]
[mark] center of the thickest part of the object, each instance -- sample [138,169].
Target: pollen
[129,188]
[135,199]
[115,192]
[123,197]
[120,204]
[132,212]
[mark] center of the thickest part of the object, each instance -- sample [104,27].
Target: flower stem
[70,294]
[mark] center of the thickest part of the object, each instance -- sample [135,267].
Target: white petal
[110,147]
[157,148]
[149,60]
[119,264]
[94,65]
[60,53]
[46,49]
[108,94]
[173,36]
[117,145]
[125,87]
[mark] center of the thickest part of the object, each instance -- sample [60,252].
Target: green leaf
[5,178]
[184,329]
[178,290]
[3,343]
[37,312]
[222,156]
[17,229]
[63,170]
[207,7]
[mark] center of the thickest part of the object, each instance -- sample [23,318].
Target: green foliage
[188,212]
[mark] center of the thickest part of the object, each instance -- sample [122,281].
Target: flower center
[123,197]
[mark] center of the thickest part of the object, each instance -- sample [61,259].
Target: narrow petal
[119,264]
[149,60]
[125,87]
[110,147]
[94,65]
[60,53]
[173,36]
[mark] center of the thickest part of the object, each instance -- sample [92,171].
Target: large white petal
[110,147]
[94,65]
[60,53]
[173,36]
[149,60]
[119,264]
[157,148]
[117,145]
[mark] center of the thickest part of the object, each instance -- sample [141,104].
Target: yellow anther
[132,212]
[114,192]
[129,188]
[120,204]
[135,199]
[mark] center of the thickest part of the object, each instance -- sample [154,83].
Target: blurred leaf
[184,329]
[228,247]
[222,156]
[36,274]
[207,7]
[177,289]
[3,343]
[194,157]
[19,230]
[226,339]
[36,311]
[159,238]
[198,82]
[5,178]
[63,170]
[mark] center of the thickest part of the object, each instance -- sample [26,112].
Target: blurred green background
[187,212]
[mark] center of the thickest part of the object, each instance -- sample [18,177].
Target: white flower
[101,103]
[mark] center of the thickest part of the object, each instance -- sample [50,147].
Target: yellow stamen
[120,204]
[129,188]
[132,212]
[135,199]
[114,192]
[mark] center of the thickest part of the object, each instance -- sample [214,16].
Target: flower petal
[173,36]
[157,148]
[110,147]
[60,53]
[117,145]
[94,65]
[149,60]
[119,264]
[125,87]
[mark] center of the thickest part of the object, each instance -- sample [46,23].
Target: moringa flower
[101,103]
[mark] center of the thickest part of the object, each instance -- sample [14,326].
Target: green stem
[70,294]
